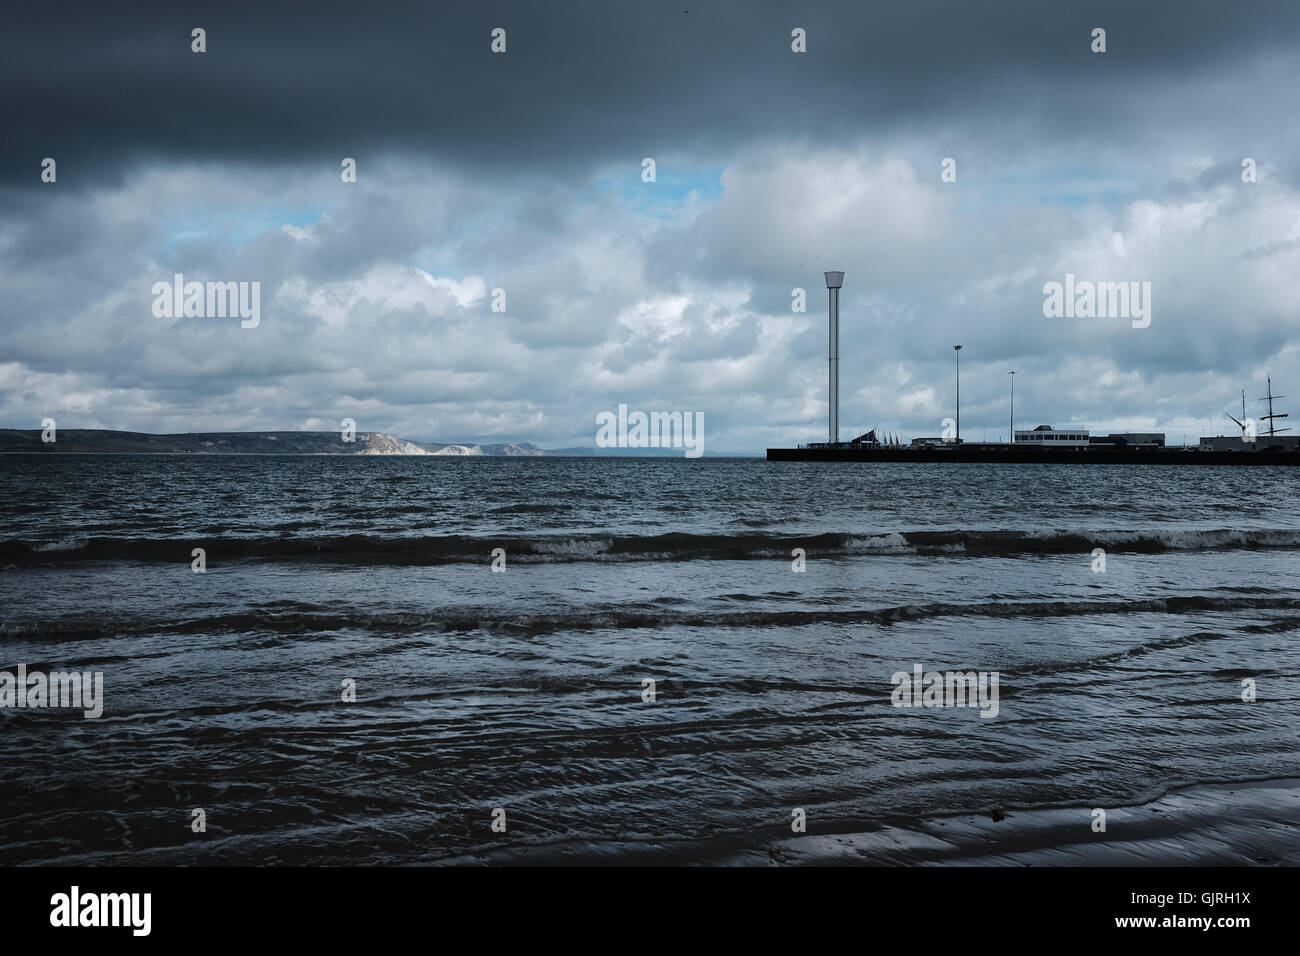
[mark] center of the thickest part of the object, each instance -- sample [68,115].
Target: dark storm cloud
[99,85]
[521,171]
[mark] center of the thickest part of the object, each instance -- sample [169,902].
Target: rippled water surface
[524,690]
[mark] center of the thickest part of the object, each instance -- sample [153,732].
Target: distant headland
[101,441]
[104,441]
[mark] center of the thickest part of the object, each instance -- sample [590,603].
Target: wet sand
[1254,823]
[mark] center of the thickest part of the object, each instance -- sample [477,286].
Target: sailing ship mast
[1272,430]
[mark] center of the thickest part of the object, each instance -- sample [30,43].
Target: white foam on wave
[892,543]
[589,548]
[70,543]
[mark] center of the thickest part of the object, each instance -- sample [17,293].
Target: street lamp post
[1012,373]
[957,349]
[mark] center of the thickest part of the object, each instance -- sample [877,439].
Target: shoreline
[1015,455]
[1250,823]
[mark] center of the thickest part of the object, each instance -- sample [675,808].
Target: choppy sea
[1121,673]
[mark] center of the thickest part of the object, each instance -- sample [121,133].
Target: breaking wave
[303,620]
[452,549]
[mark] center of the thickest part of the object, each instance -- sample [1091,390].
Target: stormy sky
[522,171]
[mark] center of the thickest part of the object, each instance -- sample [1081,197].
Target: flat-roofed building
[1261,443]
[1138,439]
[1049,437]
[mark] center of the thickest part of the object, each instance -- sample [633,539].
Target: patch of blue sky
[669,194]
[236,227]
[440,267]
[1073,185]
